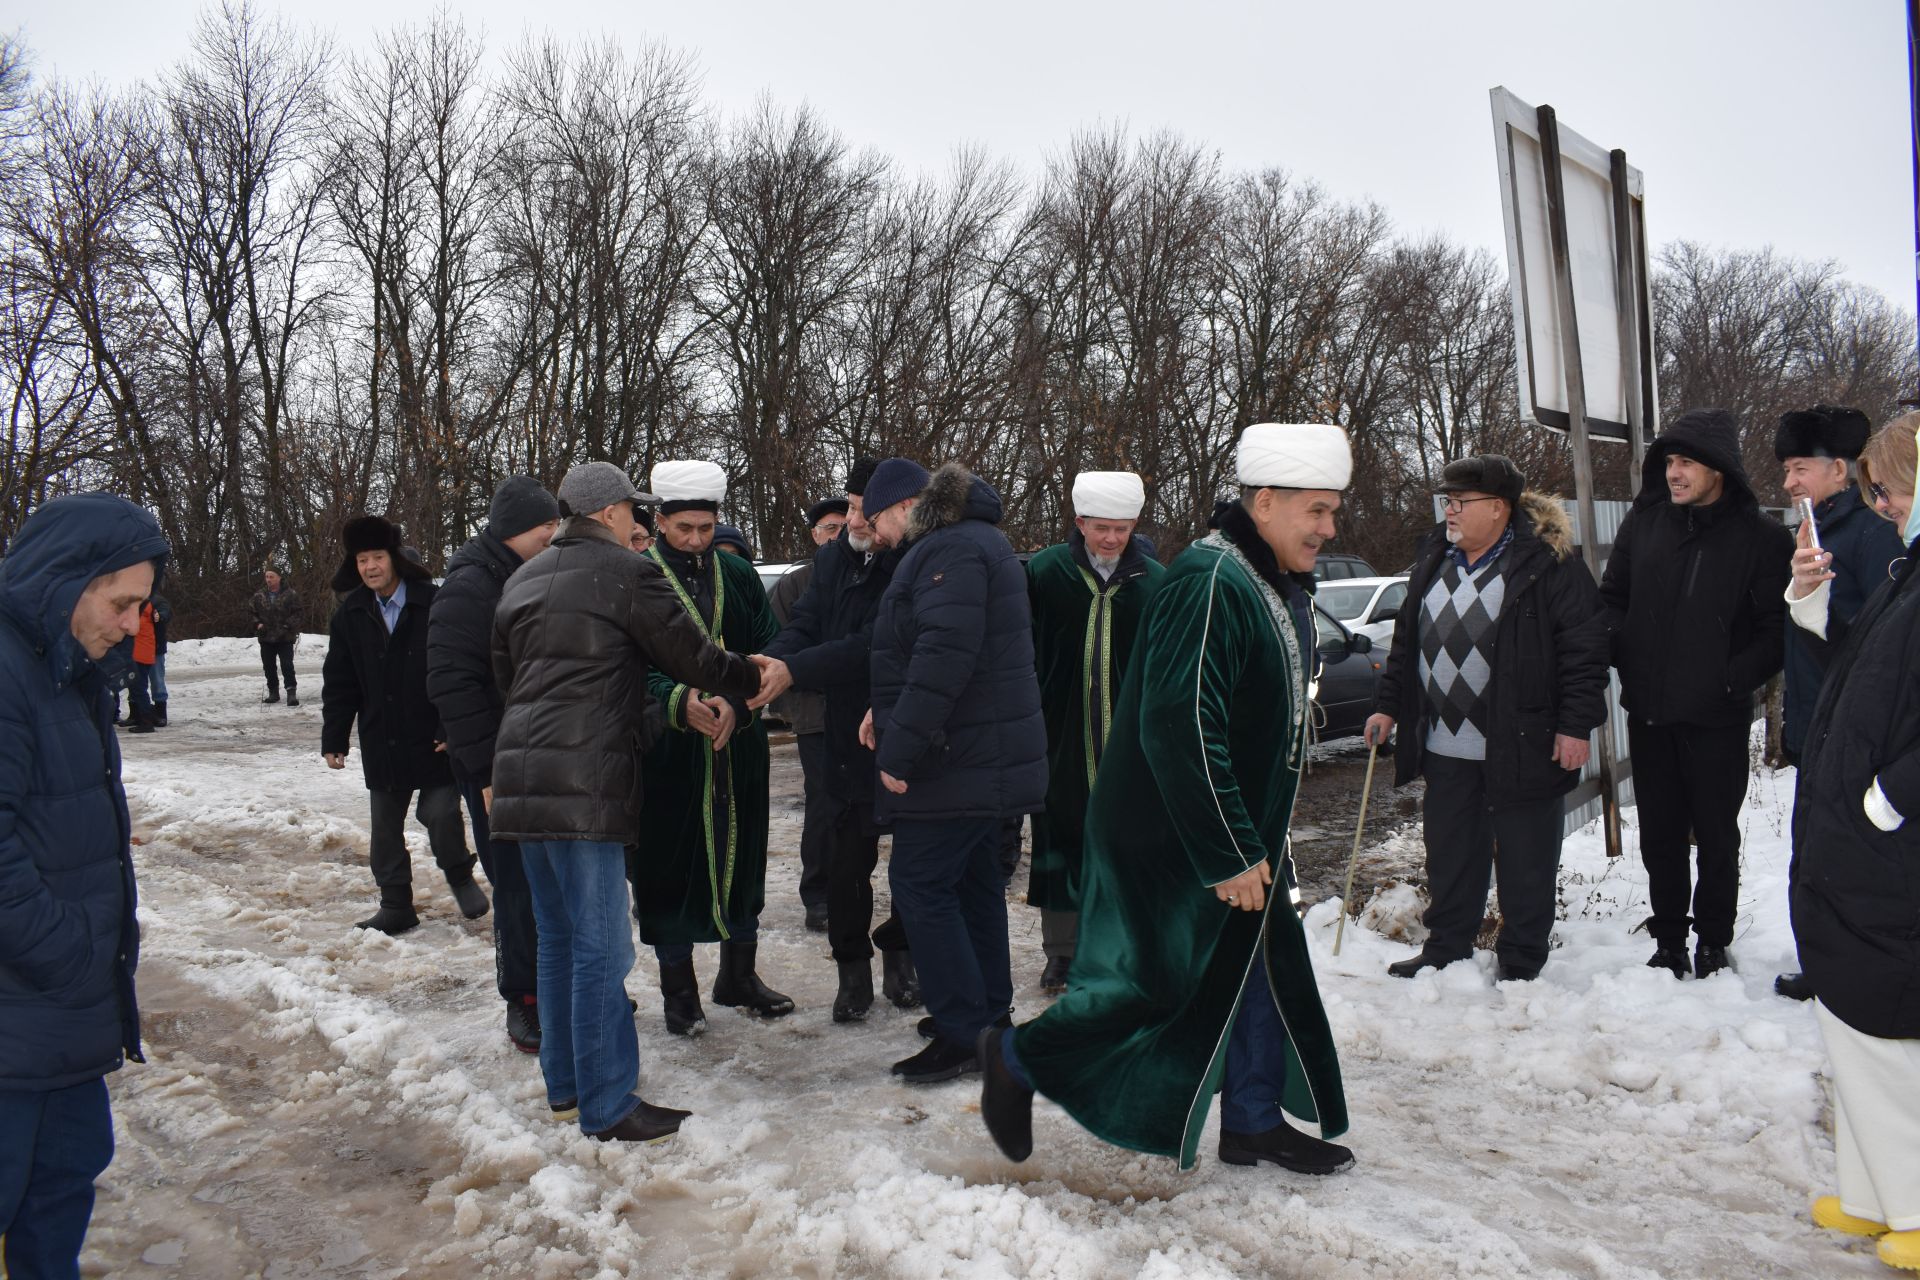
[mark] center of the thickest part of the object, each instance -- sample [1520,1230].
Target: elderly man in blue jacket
[958,737]
[71,587]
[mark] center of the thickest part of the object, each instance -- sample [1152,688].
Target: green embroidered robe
[1083,639]
[1197,784]
[701,864]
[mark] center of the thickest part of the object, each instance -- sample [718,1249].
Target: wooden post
[1626,284]
[1577,424]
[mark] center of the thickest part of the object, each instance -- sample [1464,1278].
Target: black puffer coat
[1855,888]
[1695,596]
[1549,659]
[827,647]
[381,680]
[575,632]
[460,653]
[956,704]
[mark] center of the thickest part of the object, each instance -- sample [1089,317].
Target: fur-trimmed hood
[952,495]
[1550,524]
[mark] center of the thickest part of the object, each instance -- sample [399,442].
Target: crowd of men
[590,679]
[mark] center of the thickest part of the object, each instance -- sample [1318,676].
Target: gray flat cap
[595,486]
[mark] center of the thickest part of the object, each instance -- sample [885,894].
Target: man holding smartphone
[1817,449]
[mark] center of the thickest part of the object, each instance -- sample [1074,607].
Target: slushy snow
[320,1101]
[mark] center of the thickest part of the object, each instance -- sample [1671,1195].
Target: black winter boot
[739,987]
[1005,1103]
[856,991]
[160,714]
[293,695]
[1287,1147]
[1709,959]
[273,694]
[898,981]
[523,1023]
[680,991]
[1672,959]
[390,920]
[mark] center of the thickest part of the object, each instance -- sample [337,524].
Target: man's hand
[723,719]
[892,783]
[336,760]
[486,800]
[440,746]
[1811,566]
[699,713]
[1246,891]
[1570,753]
[1378,729]
[775,680]
[867,739]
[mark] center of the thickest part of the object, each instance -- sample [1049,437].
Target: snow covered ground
[320,1101]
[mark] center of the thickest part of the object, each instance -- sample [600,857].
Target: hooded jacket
[1548,659]
[956,704]
[68,940]
[1695,596]
[460,653]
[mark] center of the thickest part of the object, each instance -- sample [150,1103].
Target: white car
[1365,605]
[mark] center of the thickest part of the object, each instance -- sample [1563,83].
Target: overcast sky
[1756,122]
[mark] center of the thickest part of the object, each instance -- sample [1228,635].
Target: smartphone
[1813,528]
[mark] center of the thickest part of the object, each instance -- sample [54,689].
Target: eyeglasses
[1879,494]
[1455,506]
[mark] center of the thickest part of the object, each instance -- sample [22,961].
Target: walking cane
[1346,898]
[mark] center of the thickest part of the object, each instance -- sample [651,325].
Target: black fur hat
[1824,431]
[373,533]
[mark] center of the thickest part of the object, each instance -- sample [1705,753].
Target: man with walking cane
[1498,675]
[1184,982]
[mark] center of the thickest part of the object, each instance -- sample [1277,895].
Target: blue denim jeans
[951,894]
[52,1146]
[747,930]
[1256,1071]
[157,678]
[588,1050]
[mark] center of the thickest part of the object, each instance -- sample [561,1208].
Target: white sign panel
[1586,180]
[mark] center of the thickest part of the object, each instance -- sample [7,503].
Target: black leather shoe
[390,921]
[471,898]
[1287,1147]
[1794,986]
[817,918]
[739,987]
[1053,978]
[898,981]
[1709,960]
[1672,959]
[645,1123]
[1005,1104]
[855,996]
[523,1023]
[1414,964]
[942,1059]
[680,995]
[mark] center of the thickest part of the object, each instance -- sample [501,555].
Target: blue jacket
[1864,548]
[956,704]
[68,941]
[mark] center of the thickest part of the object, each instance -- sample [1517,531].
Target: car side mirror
[1382,614]
[1358,643]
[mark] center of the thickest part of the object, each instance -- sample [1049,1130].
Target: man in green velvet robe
[1192,977]
[1089,594]
[700,871]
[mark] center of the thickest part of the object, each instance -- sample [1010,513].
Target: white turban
[1293,455]
[1108,495]
[688,482]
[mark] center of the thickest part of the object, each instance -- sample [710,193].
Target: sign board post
[1576,245]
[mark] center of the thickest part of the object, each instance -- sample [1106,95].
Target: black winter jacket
[828,648]
[1855,889]
[956,704]
[1548,657]
[1695,595]
[381,679]
[460,653]
[575,632]
[1863,546]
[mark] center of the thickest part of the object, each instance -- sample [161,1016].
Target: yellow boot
[1901,1249]
[1828,1213]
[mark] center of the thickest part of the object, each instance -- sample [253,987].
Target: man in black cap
[520,523]
[1695,594]
[1817,448]
[823,648]
[805,711]
[376,672]
[1498,675]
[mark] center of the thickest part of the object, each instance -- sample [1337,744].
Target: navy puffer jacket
[68,941]
[956,704]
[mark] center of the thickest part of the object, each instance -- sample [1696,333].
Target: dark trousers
[952,897]
[814,831]
[140,694]
[516,943]
[1689,784]
[52,1146]
[1256,1072]
[280,651]
[439,812]
[1466,843]
[853,850]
